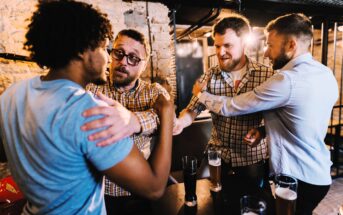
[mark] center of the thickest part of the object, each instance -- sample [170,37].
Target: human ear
[292,44]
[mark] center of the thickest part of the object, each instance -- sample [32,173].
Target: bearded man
[243,167]
[129,56]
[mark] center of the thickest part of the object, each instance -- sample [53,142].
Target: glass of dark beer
[214,163]
[286,194]
[189,166]
[251,205]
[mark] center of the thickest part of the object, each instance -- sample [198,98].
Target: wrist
[136,125]
[185,120]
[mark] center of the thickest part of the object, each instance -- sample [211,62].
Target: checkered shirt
[140,101]
[228,132]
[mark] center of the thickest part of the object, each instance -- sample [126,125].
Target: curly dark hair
[234,21]
[296,24]
[60,30]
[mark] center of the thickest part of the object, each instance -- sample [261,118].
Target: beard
[99,81]
[228,67]
[120,81]
[281,60]
[96,76]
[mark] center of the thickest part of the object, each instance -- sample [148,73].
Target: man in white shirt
[297,104]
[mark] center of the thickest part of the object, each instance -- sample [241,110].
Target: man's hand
[253,137]
[119,121]
[198,87]
[178,126]
[163,104]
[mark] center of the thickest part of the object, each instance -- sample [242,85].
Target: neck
[241,64]
[70,72]
[300,52]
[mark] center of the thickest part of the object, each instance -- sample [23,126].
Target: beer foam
[216,162]
[285,193]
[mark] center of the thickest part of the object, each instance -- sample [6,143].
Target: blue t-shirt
[50,158]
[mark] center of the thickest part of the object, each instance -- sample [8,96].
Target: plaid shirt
[228,132]
[140,101]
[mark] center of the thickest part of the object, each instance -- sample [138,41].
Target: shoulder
[155,89]
[260,69]
[17,86]
[82,97]
[281,80]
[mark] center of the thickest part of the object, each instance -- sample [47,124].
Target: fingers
[112,134]
[196,88]
[162,103]
[97,111]
[113,139]
[251,137]
[98,123]
[101,134]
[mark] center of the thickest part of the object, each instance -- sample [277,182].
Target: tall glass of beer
[286,194]
[251,205]
[189,166]
[214,163]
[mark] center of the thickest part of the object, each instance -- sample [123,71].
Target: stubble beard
[281,60]
[230,66]
[99,81]
[122,82]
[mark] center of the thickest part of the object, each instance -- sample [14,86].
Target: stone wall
[14,16]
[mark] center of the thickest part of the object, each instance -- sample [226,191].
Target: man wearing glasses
[129,57]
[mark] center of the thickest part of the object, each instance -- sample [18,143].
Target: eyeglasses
[119,54]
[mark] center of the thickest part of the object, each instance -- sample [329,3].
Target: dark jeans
[309,197]
[246,180]
[130,205]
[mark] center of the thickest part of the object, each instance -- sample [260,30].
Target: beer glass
[189,166]
[251,205]
[214,163]
[286,194]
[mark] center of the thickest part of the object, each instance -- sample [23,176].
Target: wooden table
[172,202]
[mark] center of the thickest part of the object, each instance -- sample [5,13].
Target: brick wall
[14,16]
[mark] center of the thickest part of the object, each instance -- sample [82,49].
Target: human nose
[123,60]
[221,51]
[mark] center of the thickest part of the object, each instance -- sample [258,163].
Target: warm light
[207,34]
[251,39]
[340,28]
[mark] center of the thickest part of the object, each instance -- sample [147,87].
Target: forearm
[187,117]
[135,174]
[273,93]
[161,157]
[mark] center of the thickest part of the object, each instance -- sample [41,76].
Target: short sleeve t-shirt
[50,158]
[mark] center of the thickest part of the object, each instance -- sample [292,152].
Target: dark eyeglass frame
[119,54]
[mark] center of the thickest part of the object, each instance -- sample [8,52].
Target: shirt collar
[294,62]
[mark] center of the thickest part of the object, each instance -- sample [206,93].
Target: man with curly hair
[58,168]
